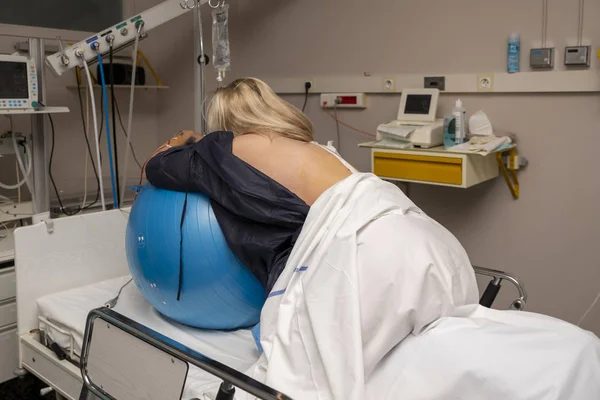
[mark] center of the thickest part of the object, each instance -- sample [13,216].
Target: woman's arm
[169,167]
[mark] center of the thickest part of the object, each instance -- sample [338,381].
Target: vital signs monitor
[18,83]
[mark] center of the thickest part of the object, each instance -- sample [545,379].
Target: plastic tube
[95,121]
[18,178]
[130,118]
[26,173]
[108,137]
[87,156]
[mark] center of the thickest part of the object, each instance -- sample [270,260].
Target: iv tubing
[130,118]
[26,171]
[95,121]
[108,138]
[87,156]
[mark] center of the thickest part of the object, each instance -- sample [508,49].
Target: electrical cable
[108,138]
[25,171]
[95,120]
[86,126]
[581,20]
[62,207]
[112,303]
[544,22]
[337,126]
[305,98]
[590,308]
[19,184]
[125,134]
[134,56]
[18,177]
[114,118]
[345,124]
[87,140]
[6,229]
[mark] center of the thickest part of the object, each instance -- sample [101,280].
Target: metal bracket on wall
[510,172]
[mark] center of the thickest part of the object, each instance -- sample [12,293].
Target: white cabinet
[9,349]
[9,352]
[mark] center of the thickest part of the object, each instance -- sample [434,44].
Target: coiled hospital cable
[129,133]
[25,171]
[108,137]
[95,122]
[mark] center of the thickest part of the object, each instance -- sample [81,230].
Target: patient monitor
[416,124]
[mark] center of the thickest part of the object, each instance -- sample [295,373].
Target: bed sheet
[69,311]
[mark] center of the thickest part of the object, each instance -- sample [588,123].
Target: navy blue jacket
[260,218]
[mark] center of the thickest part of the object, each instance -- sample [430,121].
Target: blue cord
[110,153]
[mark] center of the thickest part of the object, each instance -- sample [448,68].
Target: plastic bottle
[514,53]
[460,116]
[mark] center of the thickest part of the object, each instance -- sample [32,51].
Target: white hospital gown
[378,301]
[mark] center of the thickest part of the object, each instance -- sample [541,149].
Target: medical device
[416,123]
[131,31]
[18,83]
[221,54]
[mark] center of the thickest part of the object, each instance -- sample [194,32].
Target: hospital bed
[69,269]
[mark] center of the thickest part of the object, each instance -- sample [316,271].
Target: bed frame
[72,252]
[68,253]
[55,256]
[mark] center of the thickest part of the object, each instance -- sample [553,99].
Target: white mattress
[69,310]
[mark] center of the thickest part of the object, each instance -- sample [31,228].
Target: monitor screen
[418,104]
[13,80]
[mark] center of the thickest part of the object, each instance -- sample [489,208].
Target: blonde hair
[250,106]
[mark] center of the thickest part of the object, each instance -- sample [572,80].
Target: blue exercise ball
[217,291]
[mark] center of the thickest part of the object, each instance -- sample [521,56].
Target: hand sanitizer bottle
[460,116]
[514,53]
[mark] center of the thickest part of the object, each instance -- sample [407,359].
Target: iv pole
[200,61]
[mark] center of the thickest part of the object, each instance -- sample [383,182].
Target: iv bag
[220,31]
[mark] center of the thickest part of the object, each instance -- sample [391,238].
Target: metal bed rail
[493,288]
[230,377]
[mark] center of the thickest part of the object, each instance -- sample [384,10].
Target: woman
[355,272]
[260,169]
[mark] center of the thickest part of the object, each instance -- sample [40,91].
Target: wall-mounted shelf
[43,110]
[437,166]
[121,87]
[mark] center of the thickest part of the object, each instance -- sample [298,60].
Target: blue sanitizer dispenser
[514,53]
[449,131]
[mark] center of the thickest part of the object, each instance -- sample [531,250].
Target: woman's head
[250,106]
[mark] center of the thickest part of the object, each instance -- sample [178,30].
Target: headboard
[69,253]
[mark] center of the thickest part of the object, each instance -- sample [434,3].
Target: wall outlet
[485,82]
[344,100]
[389,84]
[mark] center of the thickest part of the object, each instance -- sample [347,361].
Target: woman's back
[306,169]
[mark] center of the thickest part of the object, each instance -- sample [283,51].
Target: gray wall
[549,236]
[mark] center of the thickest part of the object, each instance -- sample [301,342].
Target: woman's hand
[183,137]
[180,139]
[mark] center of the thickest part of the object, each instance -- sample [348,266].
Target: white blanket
[378,301]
